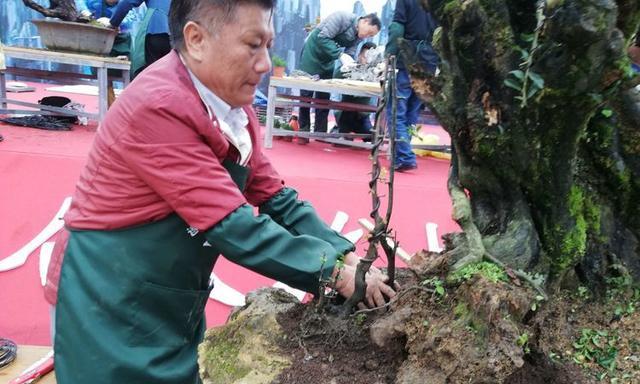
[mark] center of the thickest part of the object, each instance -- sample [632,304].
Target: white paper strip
[339,221]
[401,253]
[225,294]
[432,237]
[45,257]
[20,257]
[354,236]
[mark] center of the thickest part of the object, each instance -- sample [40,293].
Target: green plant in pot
[278,66]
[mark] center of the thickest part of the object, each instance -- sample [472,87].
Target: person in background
[414,24]
[353,121]
[169,188]
[340,31]
[152,41]
[105,8]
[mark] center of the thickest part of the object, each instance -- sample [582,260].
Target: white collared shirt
[233,121]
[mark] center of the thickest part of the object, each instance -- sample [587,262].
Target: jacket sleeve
[334,24]
[396,32]
[81,5]
[261,245]
[264,182]
[122,9]
[300,218]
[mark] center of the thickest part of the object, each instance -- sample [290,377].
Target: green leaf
[440,290]
[512,84]
[607,112]
[532,92]
[537,79]
[518,74]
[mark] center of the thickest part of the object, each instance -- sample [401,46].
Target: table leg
[126,78]
[271,111]
[102,92]
[3,89]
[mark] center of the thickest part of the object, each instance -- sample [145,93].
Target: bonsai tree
[61,9]
[538,98]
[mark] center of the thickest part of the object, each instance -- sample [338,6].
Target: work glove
[105,22]
[85,13]
[348,64]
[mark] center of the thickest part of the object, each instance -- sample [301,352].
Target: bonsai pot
[76,37]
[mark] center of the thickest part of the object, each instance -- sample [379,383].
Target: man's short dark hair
[210,13]
[374,20]
[368,45]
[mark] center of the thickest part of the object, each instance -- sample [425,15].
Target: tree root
[462,214]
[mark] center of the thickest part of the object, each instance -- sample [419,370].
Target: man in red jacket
[168,186]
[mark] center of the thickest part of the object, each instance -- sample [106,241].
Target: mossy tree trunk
[61,9]
[545,172]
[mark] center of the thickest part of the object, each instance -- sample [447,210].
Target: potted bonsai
[278,66]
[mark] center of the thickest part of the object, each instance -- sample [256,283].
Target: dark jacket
[414,24]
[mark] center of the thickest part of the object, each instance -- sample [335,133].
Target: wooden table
[341,86]
[101,63]
[27,355]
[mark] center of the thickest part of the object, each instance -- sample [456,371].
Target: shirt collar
[215,104]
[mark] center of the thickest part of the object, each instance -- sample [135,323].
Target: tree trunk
[545,127]
[61,9]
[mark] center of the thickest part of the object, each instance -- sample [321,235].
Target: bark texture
[539,100]
[61,9]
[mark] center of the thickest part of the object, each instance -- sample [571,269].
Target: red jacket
[157,152]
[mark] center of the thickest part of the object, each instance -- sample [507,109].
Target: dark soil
[470,334]
[330,349]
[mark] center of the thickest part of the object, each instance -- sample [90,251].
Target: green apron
[138,59]
[160,315]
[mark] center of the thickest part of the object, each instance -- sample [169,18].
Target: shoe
[405,167]
[303,140]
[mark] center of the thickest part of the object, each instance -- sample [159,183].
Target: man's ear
[195,39]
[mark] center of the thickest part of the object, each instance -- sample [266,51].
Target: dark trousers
[321,114]
[156,46]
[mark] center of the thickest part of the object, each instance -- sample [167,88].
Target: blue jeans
[408,109]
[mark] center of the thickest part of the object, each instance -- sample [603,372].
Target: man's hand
[348,64]
[104,21]
[377,289]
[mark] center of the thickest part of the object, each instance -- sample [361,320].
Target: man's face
[237,55]
[362,56]
[366,30]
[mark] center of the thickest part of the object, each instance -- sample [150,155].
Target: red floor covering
[38,169]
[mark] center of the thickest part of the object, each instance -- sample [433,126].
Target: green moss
[573,243]
[221,357]
[461,310]
[452,7]
[593,217]
[488,270]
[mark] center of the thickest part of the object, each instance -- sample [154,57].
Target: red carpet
[38,169]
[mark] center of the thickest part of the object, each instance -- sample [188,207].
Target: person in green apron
[354,121]
[336,37]
[152,40]
[170,184]
[105,8]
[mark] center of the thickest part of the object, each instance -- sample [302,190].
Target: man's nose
[263,65]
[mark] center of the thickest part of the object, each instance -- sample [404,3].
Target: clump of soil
[474,331]
[333,349]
